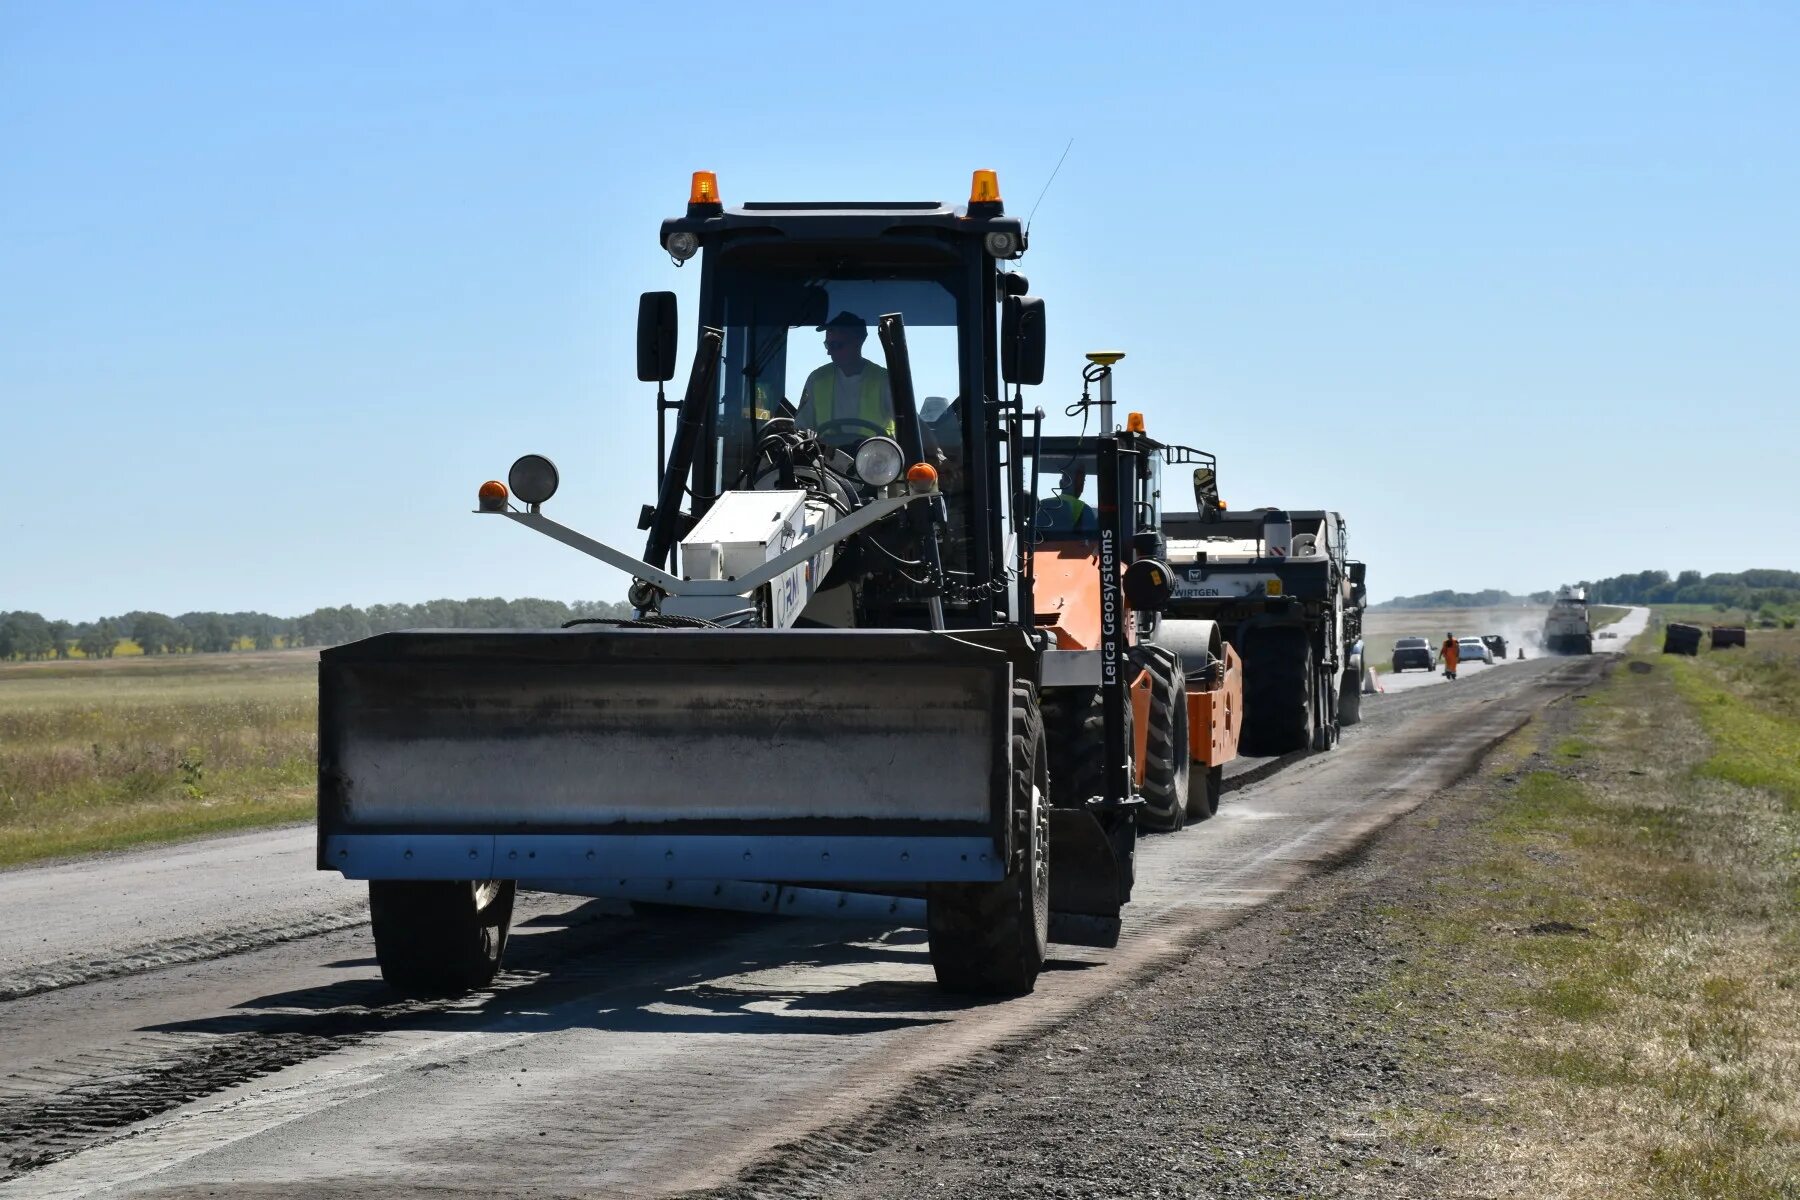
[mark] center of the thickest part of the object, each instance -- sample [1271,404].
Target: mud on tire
[989,939]
[439,938]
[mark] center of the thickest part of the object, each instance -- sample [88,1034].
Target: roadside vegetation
[30,636]
[1621,956]
[101,755]
[1764,594]
[1763,617]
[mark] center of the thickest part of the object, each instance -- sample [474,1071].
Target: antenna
[1047,183]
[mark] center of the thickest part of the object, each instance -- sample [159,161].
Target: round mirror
[533,479]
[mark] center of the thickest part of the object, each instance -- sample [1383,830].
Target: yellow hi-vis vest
[867,405]
[1071,505]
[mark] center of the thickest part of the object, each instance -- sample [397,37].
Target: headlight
[533,479]
[681,246]
[1003,245]
[878,461]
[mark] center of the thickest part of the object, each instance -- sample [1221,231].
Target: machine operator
[1067,512]
[849,388]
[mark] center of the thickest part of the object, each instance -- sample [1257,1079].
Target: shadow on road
[666,971]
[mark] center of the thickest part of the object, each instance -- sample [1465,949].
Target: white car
[1473,649]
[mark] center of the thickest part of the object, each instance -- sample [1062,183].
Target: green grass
[1748,700]
[1621,956]
[102,755]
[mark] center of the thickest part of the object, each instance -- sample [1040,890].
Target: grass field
[100,755]
[1705,615]
[1622,956]
[1381,628]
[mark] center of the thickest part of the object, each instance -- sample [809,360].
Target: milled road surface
[619,1055]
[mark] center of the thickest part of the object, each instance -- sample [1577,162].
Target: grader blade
[785,756]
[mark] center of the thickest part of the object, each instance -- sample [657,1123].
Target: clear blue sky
[1515,286]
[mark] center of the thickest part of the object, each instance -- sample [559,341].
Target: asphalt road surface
[208,1020]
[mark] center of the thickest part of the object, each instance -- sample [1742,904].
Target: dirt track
[621,1055]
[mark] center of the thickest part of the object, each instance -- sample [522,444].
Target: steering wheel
[826,429]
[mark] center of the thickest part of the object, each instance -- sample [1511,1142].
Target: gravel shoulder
[1260,1064]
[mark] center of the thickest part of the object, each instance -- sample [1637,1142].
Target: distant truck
[1566,628]
[1495,643]
[1286,595]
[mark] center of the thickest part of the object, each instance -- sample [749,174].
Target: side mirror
[1357,571]
[1022,340]
[1206,489]
[656,332]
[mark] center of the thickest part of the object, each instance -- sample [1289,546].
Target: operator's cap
[845,320]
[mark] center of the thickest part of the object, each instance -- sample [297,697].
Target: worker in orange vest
[1450,653]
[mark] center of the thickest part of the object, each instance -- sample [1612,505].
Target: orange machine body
[1066,600]
[1214,714]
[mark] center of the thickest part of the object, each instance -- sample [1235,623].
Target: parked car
[1413,652]
[1475,650]
[1497,644]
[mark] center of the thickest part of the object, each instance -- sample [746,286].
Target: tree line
[1754,591]
[30,635]
[1487,598]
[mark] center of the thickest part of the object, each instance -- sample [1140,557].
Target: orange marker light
[921,477]
[984,188]
[492,496]
[1134,422]
[705,189]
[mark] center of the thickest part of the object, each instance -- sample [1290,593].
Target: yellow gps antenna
[1103,361]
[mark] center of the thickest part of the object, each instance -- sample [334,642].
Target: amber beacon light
[705,189]
[921,478]
[984,188]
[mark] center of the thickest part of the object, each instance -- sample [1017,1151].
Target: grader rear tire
[435,938]
[1166,746]
[990,939]
[1075,726]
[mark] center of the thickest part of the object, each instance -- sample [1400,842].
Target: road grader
[864,675]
